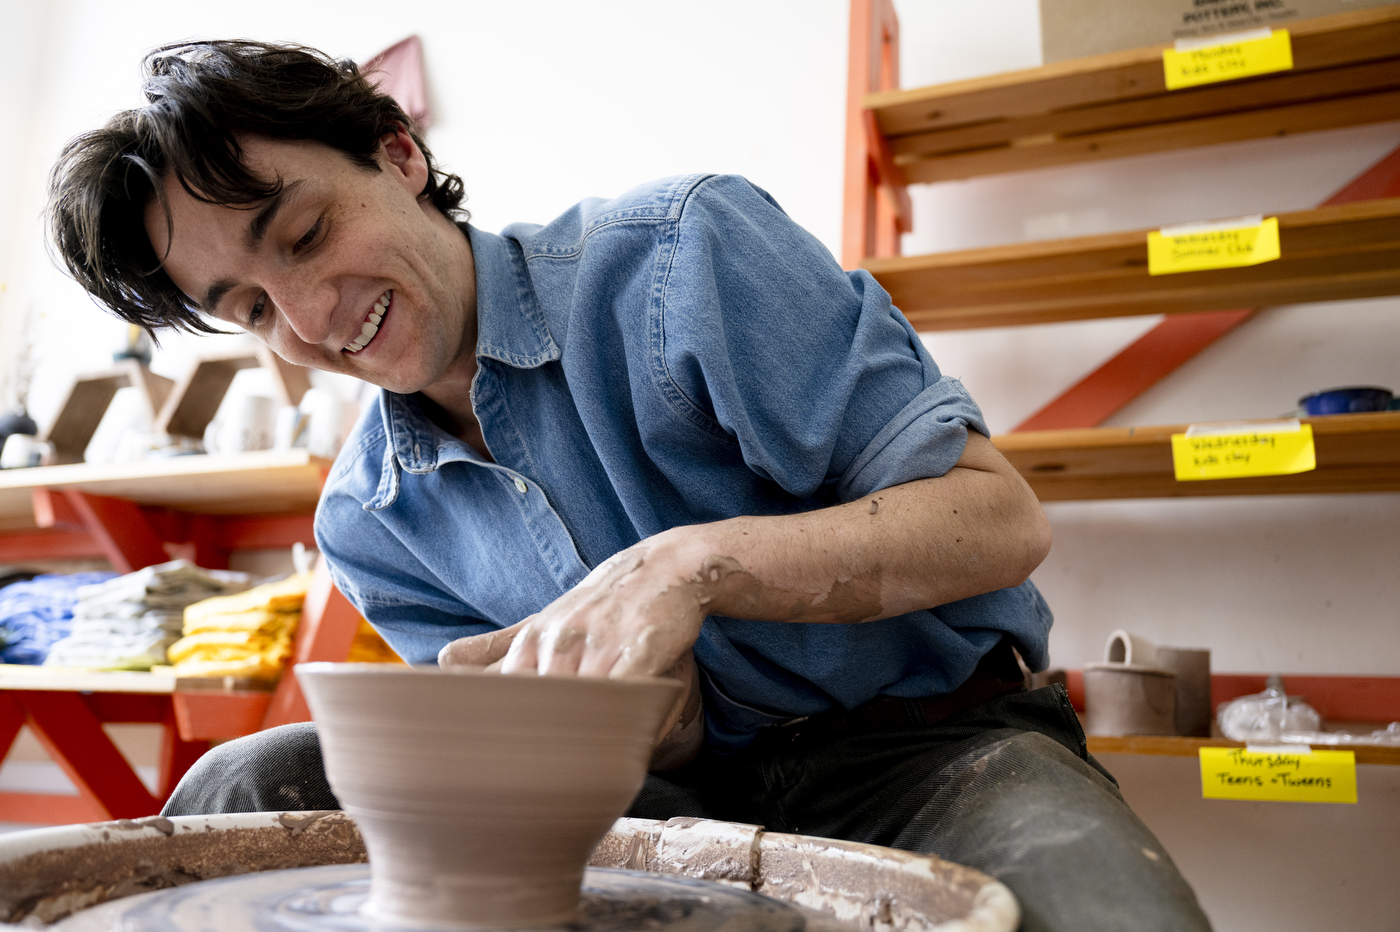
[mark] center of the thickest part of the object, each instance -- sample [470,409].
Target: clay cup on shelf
[479,795]
[1129,699]
[1193,706]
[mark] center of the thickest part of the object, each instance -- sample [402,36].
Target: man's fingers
[524,649]
[479,650]
[561,647]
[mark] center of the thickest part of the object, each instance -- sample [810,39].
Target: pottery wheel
[328,899]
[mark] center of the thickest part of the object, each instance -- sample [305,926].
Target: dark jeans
[1007,787]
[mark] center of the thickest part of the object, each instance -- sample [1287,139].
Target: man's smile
[370,327]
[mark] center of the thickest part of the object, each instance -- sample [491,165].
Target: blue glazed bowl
[1346,400]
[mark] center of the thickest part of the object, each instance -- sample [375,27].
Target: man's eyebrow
[264,217]
[216,293]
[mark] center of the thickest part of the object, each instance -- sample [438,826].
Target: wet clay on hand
[479,795]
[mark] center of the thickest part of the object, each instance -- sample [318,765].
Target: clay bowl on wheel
[480,796]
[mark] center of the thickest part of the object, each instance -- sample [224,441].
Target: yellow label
[1307,777]
[1228,59]
[1268,450]
[1211,246]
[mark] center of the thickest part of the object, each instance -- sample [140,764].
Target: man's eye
[310,236]
[255,313]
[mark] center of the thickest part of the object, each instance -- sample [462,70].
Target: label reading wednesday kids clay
[1234,451]
[1222,244]
[1226,58]
[1298,775]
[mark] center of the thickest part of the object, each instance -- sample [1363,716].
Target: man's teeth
[371,325]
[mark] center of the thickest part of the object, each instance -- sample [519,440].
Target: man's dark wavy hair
[201,97]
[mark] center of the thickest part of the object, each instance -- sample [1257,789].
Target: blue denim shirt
[681,354]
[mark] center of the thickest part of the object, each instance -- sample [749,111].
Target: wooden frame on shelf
[1355,453]
[87,402]
[1329,253]
[196,398]
[1346,72]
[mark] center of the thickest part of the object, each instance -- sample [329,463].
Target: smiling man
[662,434]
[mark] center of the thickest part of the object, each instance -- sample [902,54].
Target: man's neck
[449,399]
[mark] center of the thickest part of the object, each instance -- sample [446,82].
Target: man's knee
[275,770]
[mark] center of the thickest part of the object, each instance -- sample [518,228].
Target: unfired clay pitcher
[480,796]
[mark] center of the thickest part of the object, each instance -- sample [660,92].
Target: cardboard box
[1075,28]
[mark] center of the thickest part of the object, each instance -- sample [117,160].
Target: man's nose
[307,304]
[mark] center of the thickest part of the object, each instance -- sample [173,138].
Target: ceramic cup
[1129,699]
[480,796]
[1192,668]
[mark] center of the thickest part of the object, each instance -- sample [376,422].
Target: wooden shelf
[1331,253]
[77,679]
[1355,453]
[1346,72]
[240,483]
[1174,746]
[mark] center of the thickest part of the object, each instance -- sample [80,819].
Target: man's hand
[637,613]
[626,639]
[634,615]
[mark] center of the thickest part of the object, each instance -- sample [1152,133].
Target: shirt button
[520,485]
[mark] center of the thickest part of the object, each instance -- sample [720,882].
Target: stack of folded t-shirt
[244,635]
[35,613]
[128,622]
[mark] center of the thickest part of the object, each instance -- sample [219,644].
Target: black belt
[998,673]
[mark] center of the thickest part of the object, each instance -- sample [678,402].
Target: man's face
[346,270]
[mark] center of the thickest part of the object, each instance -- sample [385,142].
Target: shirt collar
[510,329]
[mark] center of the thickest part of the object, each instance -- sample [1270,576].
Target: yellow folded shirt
[285,595]
[252,667]
[267,622]
[246,642]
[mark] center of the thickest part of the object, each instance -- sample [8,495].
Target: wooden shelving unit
[260,482]
[1343,251]
[1346,73]
[1355,453]
[136,515]
[1174,746]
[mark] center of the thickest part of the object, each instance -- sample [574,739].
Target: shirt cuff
[922,441]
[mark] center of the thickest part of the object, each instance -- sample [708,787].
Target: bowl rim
[331,668]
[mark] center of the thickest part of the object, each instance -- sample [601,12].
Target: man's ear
[404,160]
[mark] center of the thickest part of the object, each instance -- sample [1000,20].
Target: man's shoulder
[661,201]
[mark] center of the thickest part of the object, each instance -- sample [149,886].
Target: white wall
[540,104]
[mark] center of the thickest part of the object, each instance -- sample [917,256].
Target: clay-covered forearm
[976,529]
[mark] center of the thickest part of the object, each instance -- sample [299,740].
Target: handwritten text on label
[1227,60]
[1309,777]
[1266,450]
[1169,252]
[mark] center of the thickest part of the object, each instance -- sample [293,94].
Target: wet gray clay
[479,795]
[1129,699]
[1192,668]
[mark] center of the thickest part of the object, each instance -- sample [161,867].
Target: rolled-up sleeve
[808,368]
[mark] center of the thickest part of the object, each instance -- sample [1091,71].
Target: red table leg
[327,630]
[176,756]
[73,736]
[11,721]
